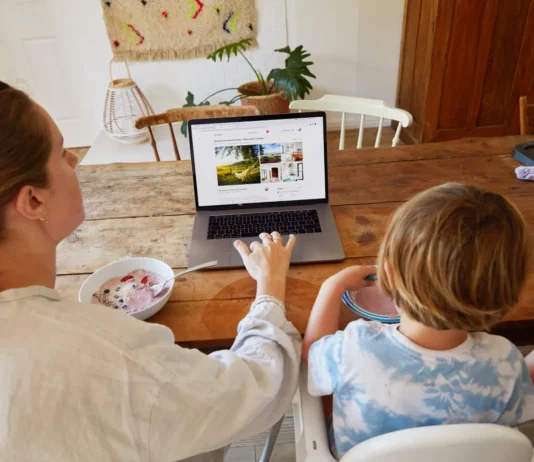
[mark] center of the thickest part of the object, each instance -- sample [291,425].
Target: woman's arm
[324,318]
[212,401]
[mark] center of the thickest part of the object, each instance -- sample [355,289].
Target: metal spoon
[156,290]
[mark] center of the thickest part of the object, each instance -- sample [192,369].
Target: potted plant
[270,95]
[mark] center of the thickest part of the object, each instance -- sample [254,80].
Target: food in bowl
[374,301]
[371,303]
[130,293]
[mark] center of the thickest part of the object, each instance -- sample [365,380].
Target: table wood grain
[148,210]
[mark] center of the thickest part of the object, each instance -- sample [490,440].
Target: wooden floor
[351,140]
[250,450]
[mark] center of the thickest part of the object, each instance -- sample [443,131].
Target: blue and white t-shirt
[383,382]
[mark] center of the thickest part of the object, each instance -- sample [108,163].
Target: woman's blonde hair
[457,257]
[25,146]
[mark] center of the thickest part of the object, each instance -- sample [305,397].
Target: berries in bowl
[125,286]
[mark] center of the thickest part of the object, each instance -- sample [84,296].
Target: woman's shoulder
[151,346]
[92,331]
[116,325]
[95,322]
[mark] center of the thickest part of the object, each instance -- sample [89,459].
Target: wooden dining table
[148,210]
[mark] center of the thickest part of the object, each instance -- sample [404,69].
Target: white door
[39,54]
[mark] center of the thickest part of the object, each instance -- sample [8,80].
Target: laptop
[261,174]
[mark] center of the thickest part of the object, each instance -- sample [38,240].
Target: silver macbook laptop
[261,174]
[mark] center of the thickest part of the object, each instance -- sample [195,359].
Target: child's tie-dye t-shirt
[383,382]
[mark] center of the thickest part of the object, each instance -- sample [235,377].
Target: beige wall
[354,43]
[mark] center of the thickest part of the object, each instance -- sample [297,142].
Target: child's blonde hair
[457,256]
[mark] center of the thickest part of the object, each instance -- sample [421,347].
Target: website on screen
[259,161]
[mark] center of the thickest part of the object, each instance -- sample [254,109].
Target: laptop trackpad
[296,256]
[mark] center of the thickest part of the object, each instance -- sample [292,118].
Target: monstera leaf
[235,49]
[292,80]
[190,102]
[229,50]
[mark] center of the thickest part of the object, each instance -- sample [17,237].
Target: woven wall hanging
[140,30]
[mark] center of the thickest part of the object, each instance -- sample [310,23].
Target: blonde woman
[86,383]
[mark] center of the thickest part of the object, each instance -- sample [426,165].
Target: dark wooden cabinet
[464,65]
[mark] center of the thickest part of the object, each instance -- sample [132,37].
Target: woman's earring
[44,219]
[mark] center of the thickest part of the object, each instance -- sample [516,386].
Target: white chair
[445,443]
[364,107]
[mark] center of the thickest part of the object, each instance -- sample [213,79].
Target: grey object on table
[524,153]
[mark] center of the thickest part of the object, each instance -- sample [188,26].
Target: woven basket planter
[275,103]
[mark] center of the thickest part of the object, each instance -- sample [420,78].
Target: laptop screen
[259,160]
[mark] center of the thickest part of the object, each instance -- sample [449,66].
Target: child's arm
[324,318]
[530,364]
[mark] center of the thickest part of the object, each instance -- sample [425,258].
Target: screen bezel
[250,205]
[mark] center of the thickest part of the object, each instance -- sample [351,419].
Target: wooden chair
[189,113]
[364,107]
[526,116]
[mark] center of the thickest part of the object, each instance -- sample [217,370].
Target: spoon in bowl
[157,289]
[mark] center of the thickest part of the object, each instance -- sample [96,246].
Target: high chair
[445,443]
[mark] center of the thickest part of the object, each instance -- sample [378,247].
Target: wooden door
[416,64]
[489,63]
[464,65]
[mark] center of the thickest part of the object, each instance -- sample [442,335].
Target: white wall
[355,45]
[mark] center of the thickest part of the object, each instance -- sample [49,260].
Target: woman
[89,383]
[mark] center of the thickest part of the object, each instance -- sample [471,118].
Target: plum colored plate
[370,303]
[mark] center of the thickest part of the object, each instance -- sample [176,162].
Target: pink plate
[373,300]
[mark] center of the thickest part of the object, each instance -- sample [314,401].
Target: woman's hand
[268,262]
[353,278]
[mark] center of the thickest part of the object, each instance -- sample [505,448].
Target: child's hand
[353,277]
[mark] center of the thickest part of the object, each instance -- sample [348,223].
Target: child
[454,260]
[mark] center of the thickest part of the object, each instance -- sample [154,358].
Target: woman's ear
[31,203]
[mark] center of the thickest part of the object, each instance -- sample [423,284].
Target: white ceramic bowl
[121,268]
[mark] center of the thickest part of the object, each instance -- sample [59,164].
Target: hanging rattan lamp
[125,103]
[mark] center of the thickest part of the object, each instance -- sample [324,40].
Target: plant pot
[274,103]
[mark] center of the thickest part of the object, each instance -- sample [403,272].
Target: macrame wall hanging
[141,30]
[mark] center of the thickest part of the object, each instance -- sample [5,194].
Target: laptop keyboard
[252,225]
